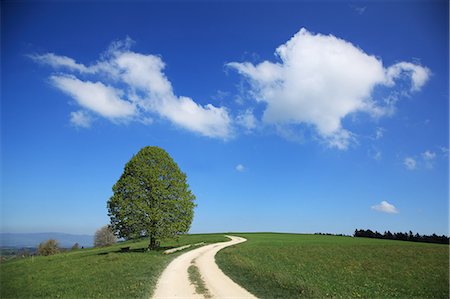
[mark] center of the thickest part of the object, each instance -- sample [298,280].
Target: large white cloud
[142,89]
[320,80]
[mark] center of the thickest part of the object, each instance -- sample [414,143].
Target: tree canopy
[151,198]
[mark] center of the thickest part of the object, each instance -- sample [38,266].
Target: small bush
[104,237]
[48,247]
[76,246]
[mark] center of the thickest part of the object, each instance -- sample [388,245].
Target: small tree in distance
[48,247]
[76,246]
[151,198]
[104,237]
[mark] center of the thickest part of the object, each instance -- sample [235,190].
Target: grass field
[92,273]
[292,266]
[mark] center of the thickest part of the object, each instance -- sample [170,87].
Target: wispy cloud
[428,158]
[379,133]
[358,9]
[444,150]
[385,207]
[240,167]
[247,120]
[322,79]
[410,163]
[80,119]
[131,86]
[60,62]
[375,154]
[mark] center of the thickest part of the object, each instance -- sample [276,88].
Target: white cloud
[247,120]
[80,119]
[208,120]
[419,75]
[143,72]
[102,99]
[240,167]
[428,157]
[57,61]
[385,207]
[320,80]
[141,90]
[410,163]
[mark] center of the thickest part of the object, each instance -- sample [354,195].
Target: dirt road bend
[174,281]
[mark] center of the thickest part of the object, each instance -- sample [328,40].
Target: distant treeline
[402,236]
[329,234]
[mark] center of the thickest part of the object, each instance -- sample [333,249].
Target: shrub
[104,237]
[48,247]
[76,246]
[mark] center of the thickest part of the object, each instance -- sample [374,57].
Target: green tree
[151,198]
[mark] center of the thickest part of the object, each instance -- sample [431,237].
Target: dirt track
[174,281]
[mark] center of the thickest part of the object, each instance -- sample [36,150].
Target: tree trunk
[153,243]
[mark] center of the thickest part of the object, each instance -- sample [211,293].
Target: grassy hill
[92,273]
[292,265]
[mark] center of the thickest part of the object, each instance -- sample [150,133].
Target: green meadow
[293,265]
[93,273]
[269,265]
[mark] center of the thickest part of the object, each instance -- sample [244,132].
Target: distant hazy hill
[33,239]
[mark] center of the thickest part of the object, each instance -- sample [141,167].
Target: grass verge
[196,279]
[93,273]
[295,266]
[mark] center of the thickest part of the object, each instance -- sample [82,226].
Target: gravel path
[174,281]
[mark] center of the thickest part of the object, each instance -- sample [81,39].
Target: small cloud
[358,9]
[240,167]
[375,154]
[419,75]
[444,150]
[410,163]
[80,119]
[379,133]
[428,157]
[385,207]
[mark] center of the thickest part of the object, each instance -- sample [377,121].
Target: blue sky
[286,116]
